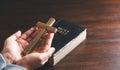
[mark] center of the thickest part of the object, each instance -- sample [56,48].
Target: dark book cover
[66,32]
[62,37]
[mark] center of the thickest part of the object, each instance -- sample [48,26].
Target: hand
[40,54]
[35,60]
[16,43]
[12,48]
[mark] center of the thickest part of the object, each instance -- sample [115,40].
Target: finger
[47,42]
[22,43]
[18,34]
[48,54]
[28,33]
[33,35]
[15,35]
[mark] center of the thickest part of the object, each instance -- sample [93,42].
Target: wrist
[7,58]
[24,65]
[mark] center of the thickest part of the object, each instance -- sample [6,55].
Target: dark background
[101,49]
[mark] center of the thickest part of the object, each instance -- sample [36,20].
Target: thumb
[49,53]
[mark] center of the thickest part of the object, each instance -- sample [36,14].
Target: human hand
[13,49]
[16,43]
[40,54]
[35,60]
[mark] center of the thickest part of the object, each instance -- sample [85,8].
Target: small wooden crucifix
[45,27]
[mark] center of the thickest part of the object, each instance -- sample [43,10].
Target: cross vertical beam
[45,27]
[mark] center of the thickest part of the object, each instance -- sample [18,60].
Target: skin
[16,43]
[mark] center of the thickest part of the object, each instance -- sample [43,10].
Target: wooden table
[101,49]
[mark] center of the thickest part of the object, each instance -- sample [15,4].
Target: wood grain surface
[101,49]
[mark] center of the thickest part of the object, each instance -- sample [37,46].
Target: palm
[14,48]
[15,44]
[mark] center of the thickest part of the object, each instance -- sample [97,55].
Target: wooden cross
[45,27]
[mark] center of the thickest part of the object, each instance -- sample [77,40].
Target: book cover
[68,37]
